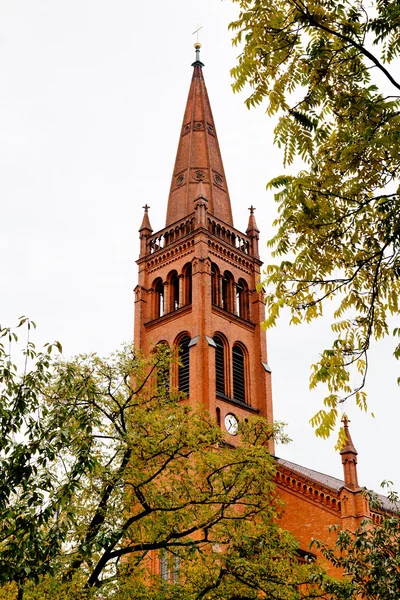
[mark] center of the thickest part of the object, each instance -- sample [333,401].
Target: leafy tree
[317,64]
[104,472]
[369,558]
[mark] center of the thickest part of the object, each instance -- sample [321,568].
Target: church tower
[197,284]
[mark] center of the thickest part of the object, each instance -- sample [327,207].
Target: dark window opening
[188,284]
[219,366]
[218,411]
[238,374]
[242,303]
[227,292]
[174,291]
[183,368]
[159,299]
[214,284]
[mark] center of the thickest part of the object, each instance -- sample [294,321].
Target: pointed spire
[252,226]
[146,221]
[349,458]
[198,158]
[145,231]
[252,231]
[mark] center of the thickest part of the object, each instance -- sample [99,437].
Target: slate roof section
[332,482]
[322,478]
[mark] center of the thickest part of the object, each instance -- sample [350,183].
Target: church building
[197,290]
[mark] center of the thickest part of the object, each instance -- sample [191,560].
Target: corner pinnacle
[146,221]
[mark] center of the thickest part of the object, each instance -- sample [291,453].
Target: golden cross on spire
[197,32]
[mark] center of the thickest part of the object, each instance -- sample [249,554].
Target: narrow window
[227,291]
[242,302]
[183,368]
[188,284]
[238,374]
[159,298]
[214,284]
[174,291]
[219,366]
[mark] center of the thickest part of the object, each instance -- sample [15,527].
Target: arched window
[158,298]
[227,288]
[242,299]
[219,365]
[173,291]
[214,284]
[187,273]
[183,368]
[238,366]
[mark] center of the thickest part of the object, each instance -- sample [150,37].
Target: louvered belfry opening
[183,369]
[238,374]
[219,365]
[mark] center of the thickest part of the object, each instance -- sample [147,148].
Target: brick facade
[198,278]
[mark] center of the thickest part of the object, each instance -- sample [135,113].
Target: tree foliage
[369,557]
[104,471]
[317,64]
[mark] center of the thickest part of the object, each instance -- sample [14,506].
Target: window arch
[184,364]
[238,371]
[227,289]
[158,298]
[187,278]
[215,275]
[173,290]
[220,387]
[242,299]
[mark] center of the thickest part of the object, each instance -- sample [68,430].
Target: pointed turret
[349,458]
[253,232]
[198,158]
[146,221]
[145,230]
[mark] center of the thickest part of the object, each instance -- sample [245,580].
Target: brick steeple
[198,158]
[197,285]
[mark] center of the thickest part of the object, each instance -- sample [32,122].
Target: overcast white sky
[92,94]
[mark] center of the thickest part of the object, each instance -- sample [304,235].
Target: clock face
[231,424]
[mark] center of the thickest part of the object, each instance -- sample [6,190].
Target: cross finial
[197,32]
[252,209]
[146,207]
